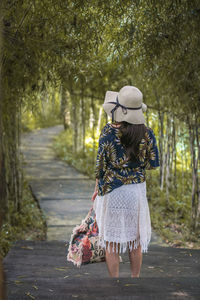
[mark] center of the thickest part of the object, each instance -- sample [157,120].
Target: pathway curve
[63,193]
[38,269]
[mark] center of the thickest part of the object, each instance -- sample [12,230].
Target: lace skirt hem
[123,218]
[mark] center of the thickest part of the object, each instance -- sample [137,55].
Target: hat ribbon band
[124,108]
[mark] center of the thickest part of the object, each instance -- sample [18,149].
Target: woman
[126,148]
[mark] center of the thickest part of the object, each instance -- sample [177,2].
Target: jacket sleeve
[101,160]
[152,158]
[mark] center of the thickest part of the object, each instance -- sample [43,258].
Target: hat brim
[132,116]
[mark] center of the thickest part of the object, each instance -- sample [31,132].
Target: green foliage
[45,113]
[172,220]
[32,121]
[28,223]
[82,161]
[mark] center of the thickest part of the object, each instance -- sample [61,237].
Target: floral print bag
[83,246]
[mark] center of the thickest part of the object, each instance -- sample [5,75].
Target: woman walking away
[126,149]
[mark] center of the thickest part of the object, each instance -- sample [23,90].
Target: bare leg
[112,261]
[136,261]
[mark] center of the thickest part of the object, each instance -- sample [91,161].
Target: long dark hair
[131,136]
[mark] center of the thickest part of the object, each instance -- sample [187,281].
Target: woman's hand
[94,195]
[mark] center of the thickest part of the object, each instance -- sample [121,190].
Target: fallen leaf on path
[129,284]
[29,294]
[61,269]
[18,282]
[35,287]
[27,247]
[180,293]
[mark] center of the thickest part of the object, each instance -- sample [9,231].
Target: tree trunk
[2,164]
[64,108]
[194,174]
[161,150]
[182,174]
[83,121]
[147,117]
[20,172]
[75,123]
[161,141]
[93,127]
[174,154]
[12,162]
[168,160]
[198,168]
[99,120]
[3,198]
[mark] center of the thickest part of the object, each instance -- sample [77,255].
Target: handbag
[84,243]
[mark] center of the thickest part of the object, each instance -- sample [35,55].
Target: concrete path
[63,193]
[39,270]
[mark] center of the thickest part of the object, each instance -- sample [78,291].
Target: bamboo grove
[81,49]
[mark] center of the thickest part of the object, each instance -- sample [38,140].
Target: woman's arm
[95,190]
[96,185]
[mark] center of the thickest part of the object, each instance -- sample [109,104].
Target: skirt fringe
[122,247]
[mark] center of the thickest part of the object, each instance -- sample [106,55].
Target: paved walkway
[38,270]
[63,193]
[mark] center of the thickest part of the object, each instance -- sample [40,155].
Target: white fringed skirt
[123,217]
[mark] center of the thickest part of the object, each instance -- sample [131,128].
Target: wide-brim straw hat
[125,105]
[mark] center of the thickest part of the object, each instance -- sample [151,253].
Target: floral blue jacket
[112,167]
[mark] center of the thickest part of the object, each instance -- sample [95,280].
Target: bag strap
[90,212]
